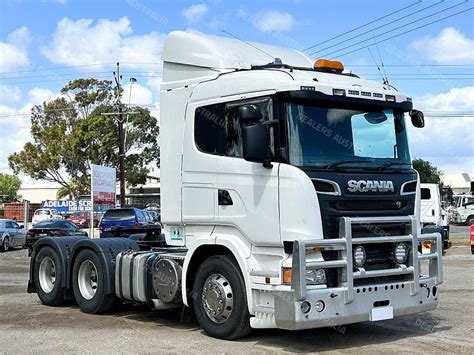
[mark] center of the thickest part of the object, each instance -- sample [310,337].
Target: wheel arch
[224,245]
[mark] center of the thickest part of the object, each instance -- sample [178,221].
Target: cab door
[237,194]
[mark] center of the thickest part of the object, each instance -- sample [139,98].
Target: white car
[45,214]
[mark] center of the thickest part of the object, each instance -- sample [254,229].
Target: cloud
[449,47]
[83,42]
[9,94]
[14,51]
[272,20]
[448,142]
[141,95]
[195,13]
[39,95]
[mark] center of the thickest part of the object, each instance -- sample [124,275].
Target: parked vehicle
[57,228]
[82,219]
[432,214]
[123,222]
[12,235]
[45,214]
[288,200]
[463,211]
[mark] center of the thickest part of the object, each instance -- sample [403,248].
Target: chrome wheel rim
[217,298]
[87,279]
[47,274]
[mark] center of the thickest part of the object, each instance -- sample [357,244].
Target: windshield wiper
[341,162]
[390,163]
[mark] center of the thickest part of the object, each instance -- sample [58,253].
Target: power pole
[118,78]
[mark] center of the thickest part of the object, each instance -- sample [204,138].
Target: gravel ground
[28,326]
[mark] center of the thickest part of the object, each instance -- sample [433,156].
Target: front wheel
[220,300]
[89,283]
[6,244]
[470,220]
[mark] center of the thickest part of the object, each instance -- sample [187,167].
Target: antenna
[249,44]
[381,62]
[377,65]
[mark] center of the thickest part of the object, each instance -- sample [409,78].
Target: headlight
[359,256]
[315,277]
[401,253]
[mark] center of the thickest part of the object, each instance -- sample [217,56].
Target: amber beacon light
[330,66]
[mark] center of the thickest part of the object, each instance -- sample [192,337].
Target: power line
[77,66]
[397,28]
[376,28]
[413,65]
[81,73]
[402,33]
[364,25]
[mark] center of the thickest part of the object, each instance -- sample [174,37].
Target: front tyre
[220,300]
[47,275]
[6,244]
[89,283]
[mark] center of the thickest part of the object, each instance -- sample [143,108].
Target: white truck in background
[463,209]
[288,200]
[432,214]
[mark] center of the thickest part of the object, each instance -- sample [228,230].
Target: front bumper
[349,303]
[288,313]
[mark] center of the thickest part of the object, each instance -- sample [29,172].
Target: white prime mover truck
[288,200]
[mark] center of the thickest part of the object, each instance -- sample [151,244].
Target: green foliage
[70,133]
[429,173]
[9,186]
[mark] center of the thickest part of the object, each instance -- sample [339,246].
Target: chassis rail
[344,244]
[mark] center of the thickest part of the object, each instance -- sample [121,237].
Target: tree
[9,186]
[429,173]
[70,133]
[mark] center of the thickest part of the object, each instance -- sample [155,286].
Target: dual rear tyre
[47,276]
[89,283]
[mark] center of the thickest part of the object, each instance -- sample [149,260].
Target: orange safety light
[330,66]
[286,276]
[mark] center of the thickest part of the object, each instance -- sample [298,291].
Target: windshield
[324,136]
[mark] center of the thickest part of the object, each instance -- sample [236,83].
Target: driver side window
[218,129]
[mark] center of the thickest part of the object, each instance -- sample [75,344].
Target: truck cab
[432,214]
[464,209]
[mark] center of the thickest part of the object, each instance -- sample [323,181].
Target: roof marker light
[329,66]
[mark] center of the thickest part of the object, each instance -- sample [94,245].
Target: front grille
[357,205]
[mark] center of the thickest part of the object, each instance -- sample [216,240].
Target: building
[459,182]
[38,192]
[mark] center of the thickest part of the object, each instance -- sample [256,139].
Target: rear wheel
[89,283]
[470,220]
[6,244]
[220,301]
[47,275]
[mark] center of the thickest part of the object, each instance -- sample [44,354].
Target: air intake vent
[326,187]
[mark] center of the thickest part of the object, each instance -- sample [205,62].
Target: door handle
[224,198]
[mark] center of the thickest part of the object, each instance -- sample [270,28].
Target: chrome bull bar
[344,244]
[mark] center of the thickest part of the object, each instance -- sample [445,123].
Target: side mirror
[21,226]
[417,118]
[255,136]
[255,139]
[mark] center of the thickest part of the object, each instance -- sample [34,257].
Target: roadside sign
[103,196]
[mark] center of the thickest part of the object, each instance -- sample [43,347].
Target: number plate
[43,234]
[381,313]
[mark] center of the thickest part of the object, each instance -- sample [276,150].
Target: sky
[46,43]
